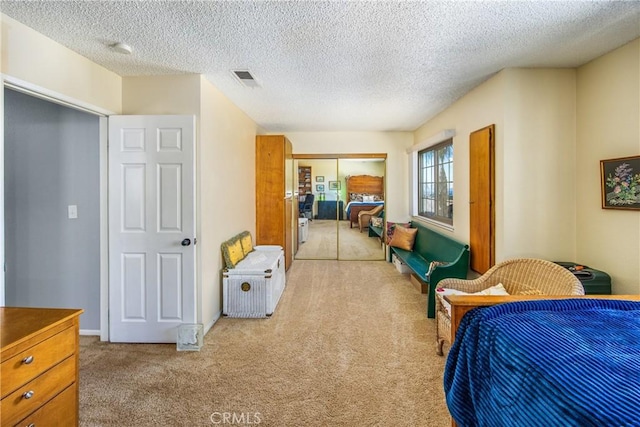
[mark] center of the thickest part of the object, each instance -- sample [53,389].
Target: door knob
[186,242]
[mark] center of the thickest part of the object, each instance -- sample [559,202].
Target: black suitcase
[595,282]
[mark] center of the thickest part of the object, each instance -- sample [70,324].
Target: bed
[364,192]
[557,361]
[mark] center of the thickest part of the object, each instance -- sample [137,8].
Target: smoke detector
[121,48]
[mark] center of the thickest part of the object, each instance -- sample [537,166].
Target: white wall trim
[52,96]
[104,229]
[2,256]
[413,174]
[432,140]
[90,332]
[433,223]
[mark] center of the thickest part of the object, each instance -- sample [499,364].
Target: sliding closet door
[364,178]
[318,222]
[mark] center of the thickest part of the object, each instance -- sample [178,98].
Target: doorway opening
[52,207]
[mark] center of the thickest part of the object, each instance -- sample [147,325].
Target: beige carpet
[349,345]
[326,241]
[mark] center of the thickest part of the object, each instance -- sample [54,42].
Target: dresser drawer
[16,371]
[17,406]
[60,411]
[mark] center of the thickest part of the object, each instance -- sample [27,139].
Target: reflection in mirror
[362,189]
[318,209]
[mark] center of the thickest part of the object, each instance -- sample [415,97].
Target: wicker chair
[519,276]
[365,216]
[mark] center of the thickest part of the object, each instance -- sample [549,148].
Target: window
[435,182]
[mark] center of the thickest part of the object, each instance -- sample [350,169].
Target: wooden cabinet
[274,194]
[39,366]
[304,180]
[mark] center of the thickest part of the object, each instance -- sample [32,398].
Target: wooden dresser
[39,372]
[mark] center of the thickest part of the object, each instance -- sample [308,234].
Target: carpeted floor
[349,345]
[324,242]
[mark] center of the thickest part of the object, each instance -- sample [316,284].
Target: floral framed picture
[320,187]
[620,183]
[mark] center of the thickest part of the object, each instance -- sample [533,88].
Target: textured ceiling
[338,65]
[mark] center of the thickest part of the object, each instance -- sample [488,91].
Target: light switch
[73,211]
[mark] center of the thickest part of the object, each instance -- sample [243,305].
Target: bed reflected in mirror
[364,199]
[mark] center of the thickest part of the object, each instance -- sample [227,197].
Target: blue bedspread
[572,362]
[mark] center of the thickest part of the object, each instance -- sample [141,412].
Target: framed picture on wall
[334,185]
[319,178]
[620,183]
[320,187]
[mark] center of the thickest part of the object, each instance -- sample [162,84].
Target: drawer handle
[27,360]
[31,425]
[28,394]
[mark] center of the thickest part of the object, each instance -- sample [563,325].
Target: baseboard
[419,284]
[213,321]
[96,332]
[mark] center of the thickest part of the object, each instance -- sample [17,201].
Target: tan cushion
[403,238]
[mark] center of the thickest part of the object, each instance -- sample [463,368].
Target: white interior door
[151,227]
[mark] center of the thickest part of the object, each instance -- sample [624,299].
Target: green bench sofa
[431,246]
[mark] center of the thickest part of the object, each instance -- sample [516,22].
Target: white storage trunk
[254,287]
[400,266]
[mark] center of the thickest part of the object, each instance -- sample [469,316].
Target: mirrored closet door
[341,208]
[318,209]
[363,191]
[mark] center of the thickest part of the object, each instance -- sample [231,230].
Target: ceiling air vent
[245,77]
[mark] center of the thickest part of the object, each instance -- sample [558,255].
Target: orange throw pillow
[403,238]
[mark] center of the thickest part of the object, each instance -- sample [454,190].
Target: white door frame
[58,98]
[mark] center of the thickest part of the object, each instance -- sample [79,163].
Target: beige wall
[31,57]
[534,115]
[226,163]
[481,107]
[392,143]
[537,171]
[608,126]
[178,94]
[552,129]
